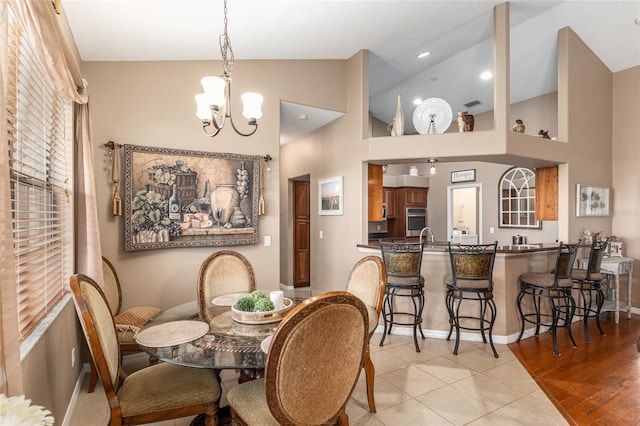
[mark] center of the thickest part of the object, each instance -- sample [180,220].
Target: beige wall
[337,149]
[626,170]
[151,103]
[47,374]
[585,99]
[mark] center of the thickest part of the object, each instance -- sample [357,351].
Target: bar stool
[556,287]
[589,282]
[403,261]
[472,269]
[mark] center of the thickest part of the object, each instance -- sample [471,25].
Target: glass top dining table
[227,345]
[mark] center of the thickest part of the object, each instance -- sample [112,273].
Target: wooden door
[301,234]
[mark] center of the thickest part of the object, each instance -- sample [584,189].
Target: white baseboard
[74,396]
[464,336]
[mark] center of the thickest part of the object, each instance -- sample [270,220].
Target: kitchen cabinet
[390,201]
[412,197]
[547,193]
[375,192]
[406,197]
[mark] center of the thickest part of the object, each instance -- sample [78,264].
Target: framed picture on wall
[330,196]
[178,198]
[592,200]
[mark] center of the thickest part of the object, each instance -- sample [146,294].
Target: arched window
[518,199]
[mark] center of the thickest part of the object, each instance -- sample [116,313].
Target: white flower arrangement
[17,410]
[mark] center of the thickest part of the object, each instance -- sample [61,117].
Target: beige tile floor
[433,387]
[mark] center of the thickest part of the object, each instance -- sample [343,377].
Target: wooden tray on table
[265,317]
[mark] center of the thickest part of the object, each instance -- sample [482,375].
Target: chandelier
[214,105]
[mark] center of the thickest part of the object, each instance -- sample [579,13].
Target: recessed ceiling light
[637,20]
[423,55]
[302,116]
[486,75]
[417,101]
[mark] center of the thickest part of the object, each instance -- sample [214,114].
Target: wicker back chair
[159,392]
[223,272]
[127,322]
[315,358]
[367,281]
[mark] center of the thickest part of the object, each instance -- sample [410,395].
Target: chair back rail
[565,262]
[111,288]
[596,254]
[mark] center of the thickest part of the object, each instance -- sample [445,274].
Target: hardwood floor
[597,383]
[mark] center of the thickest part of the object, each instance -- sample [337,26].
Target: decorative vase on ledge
[397,125]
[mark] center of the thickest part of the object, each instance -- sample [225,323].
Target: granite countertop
[440,246]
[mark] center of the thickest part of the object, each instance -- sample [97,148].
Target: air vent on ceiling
[472,103]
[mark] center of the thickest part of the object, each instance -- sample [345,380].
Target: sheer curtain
[41,23]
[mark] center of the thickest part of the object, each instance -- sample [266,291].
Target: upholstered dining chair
[315,358]
[554,286]
[159,392]
[223,272]
[589,282]
[127,322]
[471,281]
[367,281]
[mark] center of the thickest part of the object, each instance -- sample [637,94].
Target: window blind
[40,159]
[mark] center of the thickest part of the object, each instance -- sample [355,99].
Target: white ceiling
[458,33]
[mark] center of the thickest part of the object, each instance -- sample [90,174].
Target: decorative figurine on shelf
[397,125]
[544,134]
[465,122]
[519,126]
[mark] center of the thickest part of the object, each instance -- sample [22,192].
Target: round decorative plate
[228,299]
[172,333]
[266,343]
[435,108]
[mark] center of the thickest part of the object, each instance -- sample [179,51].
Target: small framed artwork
[463,176]
[592,200]
[615,249]
[330,196]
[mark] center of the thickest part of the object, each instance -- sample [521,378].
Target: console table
[616,266]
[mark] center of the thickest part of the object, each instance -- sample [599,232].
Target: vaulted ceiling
[457,33]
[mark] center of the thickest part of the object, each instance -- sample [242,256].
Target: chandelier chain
[225,46]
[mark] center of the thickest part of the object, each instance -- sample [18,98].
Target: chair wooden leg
[343,419]
[370,373]
[211,416]
[93,377]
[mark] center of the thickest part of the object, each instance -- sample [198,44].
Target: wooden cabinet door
[375,192]
[547,193]
[390,200]
[416,197]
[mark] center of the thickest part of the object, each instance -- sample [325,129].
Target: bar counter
[510,262]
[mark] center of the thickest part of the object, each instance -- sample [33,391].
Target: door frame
[450,189]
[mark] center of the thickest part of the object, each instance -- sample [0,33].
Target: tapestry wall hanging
[179,198]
